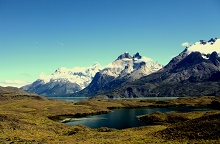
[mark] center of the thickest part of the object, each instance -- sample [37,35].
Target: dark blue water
[118,119]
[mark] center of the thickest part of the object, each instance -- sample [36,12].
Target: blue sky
[41,35]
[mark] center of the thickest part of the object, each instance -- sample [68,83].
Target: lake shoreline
[27,120]
[148,103]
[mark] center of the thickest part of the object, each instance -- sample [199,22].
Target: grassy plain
[30,119]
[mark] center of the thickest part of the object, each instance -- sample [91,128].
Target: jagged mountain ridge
[68,81]
[121,71]
[63,81]
[193,72]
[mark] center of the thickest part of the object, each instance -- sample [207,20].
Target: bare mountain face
[194,72]
[123,70]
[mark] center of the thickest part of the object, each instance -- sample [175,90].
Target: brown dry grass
[25,120]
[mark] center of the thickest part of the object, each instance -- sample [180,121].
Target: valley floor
[30,119]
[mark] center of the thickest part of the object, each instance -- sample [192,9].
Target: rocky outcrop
[123,70]
[185,75]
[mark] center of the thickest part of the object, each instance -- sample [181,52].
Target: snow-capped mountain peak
[137,56]
[80,75]
[61,70]
[126,64]
[125,55]
[205,47]
[119,72]
[68,81]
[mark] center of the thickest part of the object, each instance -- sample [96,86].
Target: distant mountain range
[69,81]
[194,72]
[63,81]
[123,70]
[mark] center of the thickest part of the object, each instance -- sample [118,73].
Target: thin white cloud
[147,59]
[45,77]
[185,44]
[13,83]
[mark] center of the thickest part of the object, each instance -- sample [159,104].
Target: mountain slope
[12,91]
[7,93]
[191,73]
[121,71]
[63,81]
